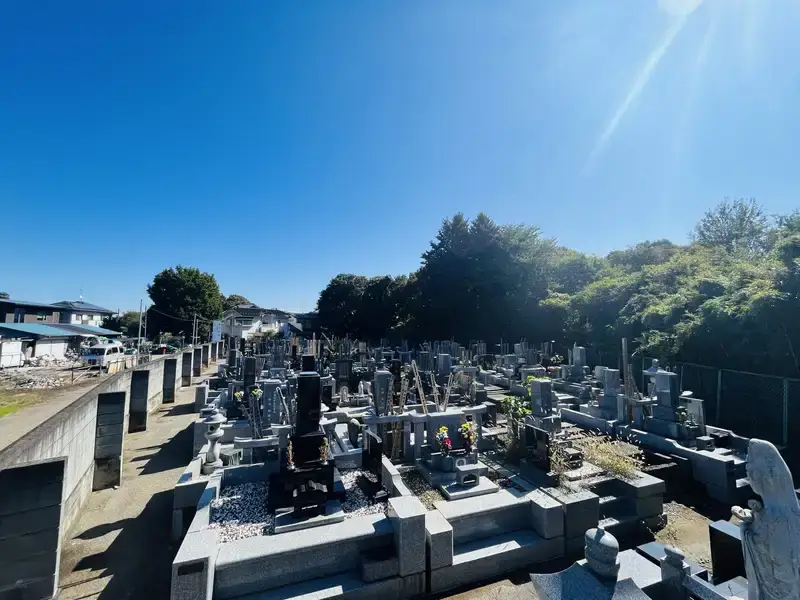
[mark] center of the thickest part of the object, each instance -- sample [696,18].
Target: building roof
[81,306]
[26,303]
[87,330]
[33,329]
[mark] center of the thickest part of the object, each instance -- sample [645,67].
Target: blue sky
[276,143]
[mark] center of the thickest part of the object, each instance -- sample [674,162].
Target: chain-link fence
[750,404]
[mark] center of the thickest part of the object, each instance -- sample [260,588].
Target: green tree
[736,225]
[642,254]
[179,294]
[127,323]
[228,302]
[339,303]
[4,296]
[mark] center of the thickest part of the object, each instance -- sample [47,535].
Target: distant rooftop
[81,306]
[52,330]
[26,303]
[33,329]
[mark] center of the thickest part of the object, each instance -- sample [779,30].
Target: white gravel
[241,512]
[356,504]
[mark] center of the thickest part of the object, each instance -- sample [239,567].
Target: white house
[246,320]
[81,313]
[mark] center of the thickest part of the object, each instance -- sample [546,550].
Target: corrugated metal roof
[87,329]
[37,329]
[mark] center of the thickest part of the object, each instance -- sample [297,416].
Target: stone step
[485,516]
[489,557]
[344,586]
[621,524]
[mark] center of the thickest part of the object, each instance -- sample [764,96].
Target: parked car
[102,355]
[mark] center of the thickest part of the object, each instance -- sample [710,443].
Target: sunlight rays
[638,85]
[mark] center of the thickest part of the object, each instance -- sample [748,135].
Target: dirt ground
[21,387]
[687,530]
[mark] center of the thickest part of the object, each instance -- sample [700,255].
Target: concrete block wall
[197,362]
[187,368]
[173,365]
[147,391]
[109,437]
[72,432]
[30,515]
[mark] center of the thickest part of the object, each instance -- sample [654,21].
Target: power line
[181,318]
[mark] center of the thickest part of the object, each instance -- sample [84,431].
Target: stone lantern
[214,422]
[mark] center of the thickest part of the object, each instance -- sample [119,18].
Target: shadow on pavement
[172,454]
[139,560]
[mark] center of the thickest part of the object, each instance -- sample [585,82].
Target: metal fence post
[719,397]
[785,412]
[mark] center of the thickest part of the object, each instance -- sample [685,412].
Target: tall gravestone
[381,388]
[271,401]
[305,483]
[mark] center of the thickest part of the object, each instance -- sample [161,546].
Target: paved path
[120,547]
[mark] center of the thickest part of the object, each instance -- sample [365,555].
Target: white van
[103,355]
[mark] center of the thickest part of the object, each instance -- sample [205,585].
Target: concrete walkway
[120,547]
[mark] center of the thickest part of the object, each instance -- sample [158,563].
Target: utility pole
[139,337]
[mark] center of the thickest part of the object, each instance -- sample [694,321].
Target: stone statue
[770,527]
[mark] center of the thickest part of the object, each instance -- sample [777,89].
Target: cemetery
[301,489]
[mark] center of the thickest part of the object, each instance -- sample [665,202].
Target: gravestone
[425,362]
[381,388]
[372,451]
[309,363]
[541,397]
[444,364]
[271,402]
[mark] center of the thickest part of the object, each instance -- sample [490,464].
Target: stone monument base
[285,520]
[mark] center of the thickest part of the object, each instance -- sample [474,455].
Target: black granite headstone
[727,559]
[309,363]
[249,372]
[372,453]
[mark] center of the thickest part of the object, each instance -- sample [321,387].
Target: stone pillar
[206,354]
[140,382]
[30,521]
[214,348]
[407,515]
[186,368]
[200,397]
[197,362]
[170,380]
[109,433]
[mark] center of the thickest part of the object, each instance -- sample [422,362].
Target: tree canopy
[228,302]
[725,299]
[127,323]
[179,294]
